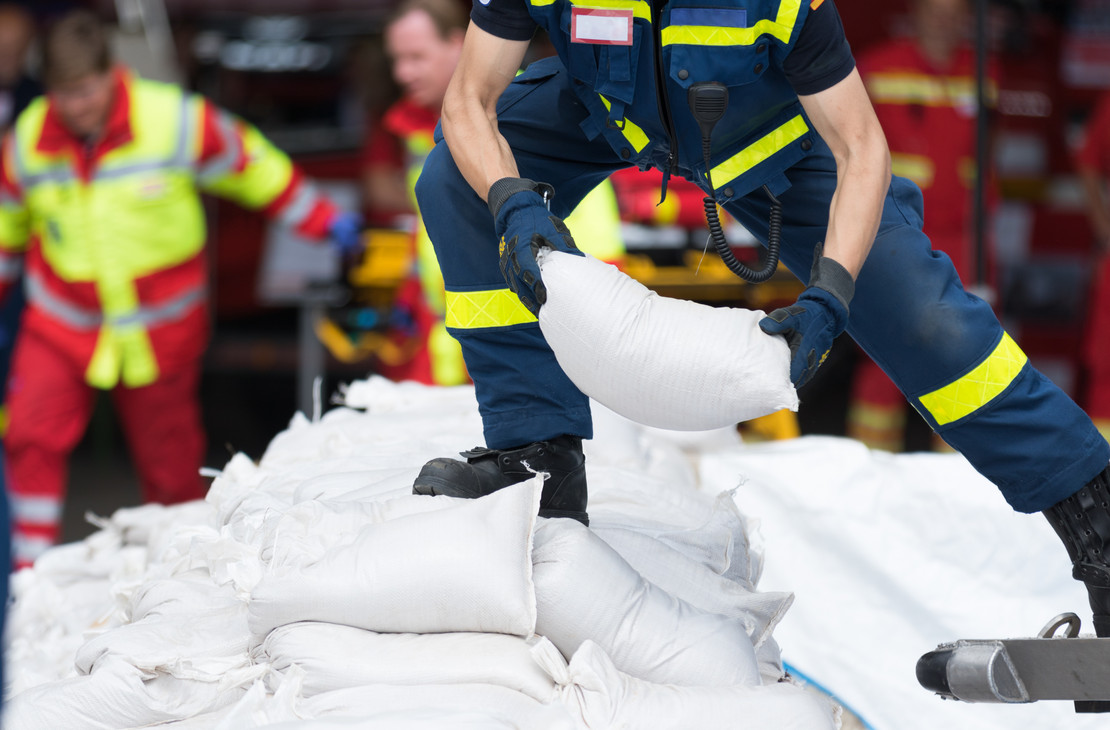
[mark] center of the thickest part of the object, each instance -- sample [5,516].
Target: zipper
[661,87]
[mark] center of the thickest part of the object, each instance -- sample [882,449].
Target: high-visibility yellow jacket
[111,233]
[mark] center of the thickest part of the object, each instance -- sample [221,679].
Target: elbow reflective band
[470,310]
[919,168]
[781,28]
[632,133]
[226,162]
[979,387]
[758,151]
[924,90]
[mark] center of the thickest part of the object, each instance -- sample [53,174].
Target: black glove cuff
[829,275]
[505,188]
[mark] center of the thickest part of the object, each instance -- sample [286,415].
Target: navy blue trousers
[942,346]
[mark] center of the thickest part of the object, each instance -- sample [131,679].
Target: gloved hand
[345,231]
[812,323]
[524,225]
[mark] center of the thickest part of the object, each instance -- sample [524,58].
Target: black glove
[524,225]
[812,323]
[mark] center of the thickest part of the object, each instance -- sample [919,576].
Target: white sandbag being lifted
[662,362]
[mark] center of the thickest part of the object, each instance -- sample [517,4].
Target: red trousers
[49,407]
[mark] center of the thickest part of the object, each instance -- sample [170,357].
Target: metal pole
[982,133]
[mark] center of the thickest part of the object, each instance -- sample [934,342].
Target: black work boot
[1083,522]
[487,470]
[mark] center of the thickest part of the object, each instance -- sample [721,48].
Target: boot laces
[526,465]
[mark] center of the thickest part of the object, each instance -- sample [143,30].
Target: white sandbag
[586,591]
[115,696]
[464,568]
[711,567]
[617,493]
[409,719]
[303,533]
[604,697]
[335,657]
[478,705]
[662,362]
[185,628]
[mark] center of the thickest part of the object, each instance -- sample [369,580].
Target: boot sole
[433,485]
[568,514]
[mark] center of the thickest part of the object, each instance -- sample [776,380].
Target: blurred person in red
[924,91]
[423,40]
[1093,166]
[100,184]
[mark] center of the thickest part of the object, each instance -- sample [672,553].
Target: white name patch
[602,26]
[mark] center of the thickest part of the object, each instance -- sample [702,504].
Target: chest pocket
[714,44]
[608,69]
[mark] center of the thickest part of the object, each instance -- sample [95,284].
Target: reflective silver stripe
[27,549]
[58,175]
[297,209]
[10,267]
[168,311]
[86,319]
[178,160]
[76,317]
[114,173]
[223,163]
[181,154]
[36,510]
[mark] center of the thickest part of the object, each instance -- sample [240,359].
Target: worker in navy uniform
[796,130]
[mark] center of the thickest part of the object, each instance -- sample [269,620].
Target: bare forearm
[469,120]
[481,153]
[863,178]
[845,119]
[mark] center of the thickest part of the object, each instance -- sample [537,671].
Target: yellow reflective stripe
[707,35]
[467,310]
[918,168]
[639,8]
[631,131]
[979,387]
[759,151]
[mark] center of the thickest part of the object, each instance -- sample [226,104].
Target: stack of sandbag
[313,590]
